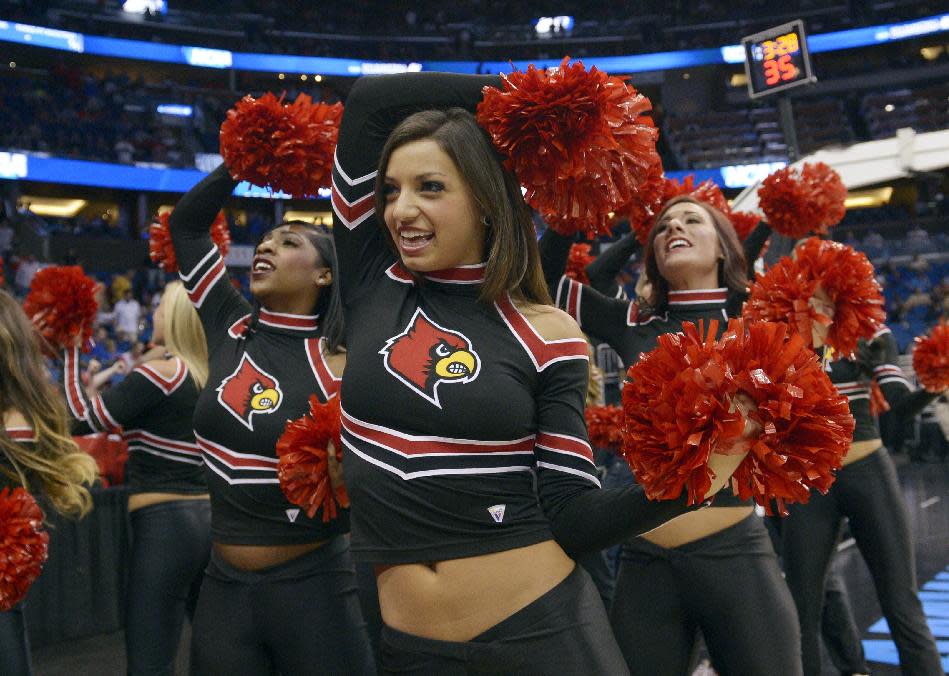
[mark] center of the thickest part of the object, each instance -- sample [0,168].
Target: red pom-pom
[806,424]
[605,426]
[578,261]
[931,359]
[24,545]
[782,294]
[579,141]
[677,410]
[707,191]
[799,202]
[642,216]
[62,302]
[744,222]
[279,146]
[161,250]
[303,460]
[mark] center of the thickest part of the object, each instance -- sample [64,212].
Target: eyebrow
[422,177]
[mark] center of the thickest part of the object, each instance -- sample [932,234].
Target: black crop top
[876,362]
[153,414]
[263,369]
[463,429]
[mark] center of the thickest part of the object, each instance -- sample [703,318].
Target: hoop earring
[486,221]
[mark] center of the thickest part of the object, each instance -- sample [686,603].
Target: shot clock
[777,59]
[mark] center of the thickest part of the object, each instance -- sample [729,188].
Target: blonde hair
[55,462]
[184,334]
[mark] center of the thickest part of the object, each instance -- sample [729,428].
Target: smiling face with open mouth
[687,247]
[287,270]
[430,212]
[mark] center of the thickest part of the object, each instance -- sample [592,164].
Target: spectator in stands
[874,244]
[6,239]
[918,264]
[918,298]
[917,240]
[27,269]
[128,313]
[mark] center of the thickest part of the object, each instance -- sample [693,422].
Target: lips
[678,243]
[261,266]
[413,241]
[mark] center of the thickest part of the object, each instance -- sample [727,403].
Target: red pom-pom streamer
[161,250]
[580,142]
[677,410]
[931,359]
[806,424]
[782,294]
[303,460]
[799,202]
[646,203]
[63,304]
[744,222]
[577,263]
[605,427]
[279,146]
[24,545]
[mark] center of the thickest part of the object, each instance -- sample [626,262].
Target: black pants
[299,618]
[727,585]
[14,645]
[565,631]
[838,625]
[171,544]
[867,492]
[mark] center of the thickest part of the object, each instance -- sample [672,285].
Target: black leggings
[171,544]
[727,585]
[298,618]
[14,645]
[565,631]
[867,492]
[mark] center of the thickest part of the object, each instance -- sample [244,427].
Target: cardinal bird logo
[427,355]
[248,391]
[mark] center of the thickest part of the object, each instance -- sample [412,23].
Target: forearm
[605,268]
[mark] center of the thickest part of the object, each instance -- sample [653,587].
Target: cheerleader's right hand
[725,460]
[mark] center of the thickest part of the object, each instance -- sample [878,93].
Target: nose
[404,209]
[675,225]
[265,247]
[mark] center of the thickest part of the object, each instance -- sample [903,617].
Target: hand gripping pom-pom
[806,424]
[279,146]
[783,294]
[303,460]
[799,202]
[677,407]
[162,251]
[580,142]
[931,359]
[744,222]
[62,303]
[605,427]
[577,263]
[23,545]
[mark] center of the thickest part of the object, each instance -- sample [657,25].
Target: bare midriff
[459,599]
[696,525]
[139,500]
[258,557]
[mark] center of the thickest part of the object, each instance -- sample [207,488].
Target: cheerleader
[279,594]
[168,500]
[868,493]
[461,390]
[37,452]
[713,571]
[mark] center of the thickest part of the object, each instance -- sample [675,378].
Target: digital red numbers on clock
[776,58]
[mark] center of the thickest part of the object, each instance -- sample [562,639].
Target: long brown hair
[732,269]
[513,264]
[55,462]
